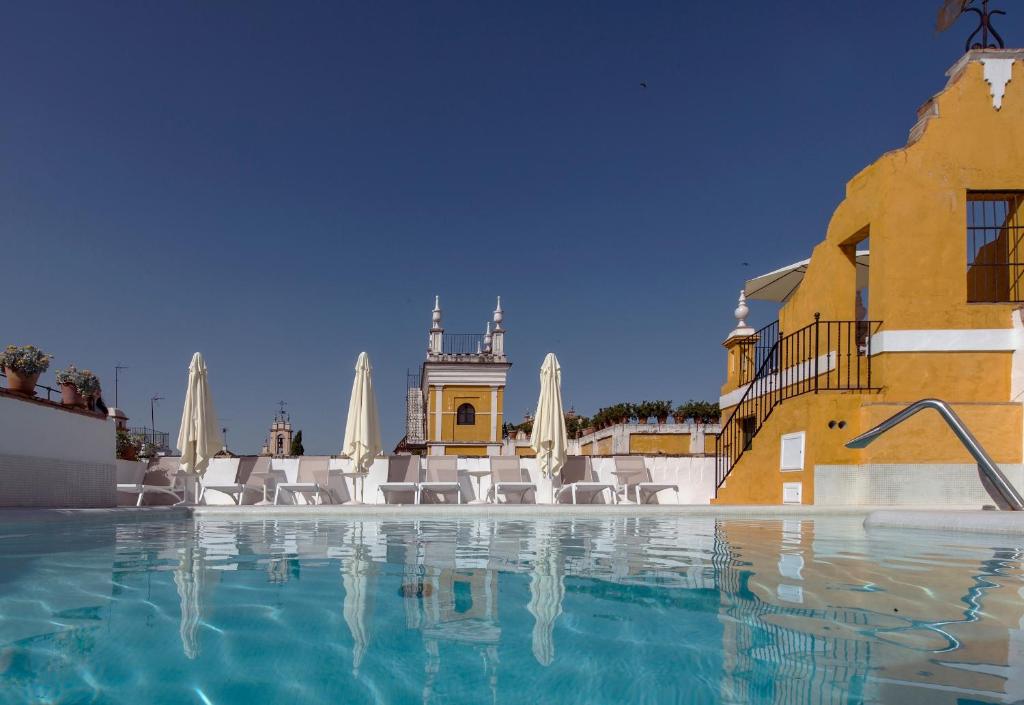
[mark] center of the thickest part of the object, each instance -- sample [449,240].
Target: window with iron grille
[995,251]
[465,415]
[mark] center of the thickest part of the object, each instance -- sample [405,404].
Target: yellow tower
[463,388]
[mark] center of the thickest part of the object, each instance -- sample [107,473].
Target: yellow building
[915,292]
[461,391]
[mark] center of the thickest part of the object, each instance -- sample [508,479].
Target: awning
[779,285]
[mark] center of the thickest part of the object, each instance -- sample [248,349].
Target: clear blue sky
[282,185]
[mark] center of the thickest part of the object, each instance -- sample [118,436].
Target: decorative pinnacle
[436,317]
[742,311]
[499,315]
[487,338]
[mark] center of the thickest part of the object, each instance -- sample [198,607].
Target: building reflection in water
[806,614]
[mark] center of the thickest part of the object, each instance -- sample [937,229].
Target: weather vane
[282,404]
[953,9]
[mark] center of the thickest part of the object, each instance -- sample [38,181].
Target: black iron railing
[823,356]
[463,343]
[157,439]
[759,347]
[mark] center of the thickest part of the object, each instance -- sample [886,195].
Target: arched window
[466,415]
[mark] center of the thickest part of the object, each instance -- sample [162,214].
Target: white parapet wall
[54,457]
[694,475]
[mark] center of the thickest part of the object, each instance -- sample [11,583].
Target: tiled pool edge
[973,521]
[964,519]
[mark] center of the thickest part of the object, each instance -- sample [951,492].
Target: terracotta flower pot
[21,383]
[70,396]
[641,419]
[663,419]
[679,419]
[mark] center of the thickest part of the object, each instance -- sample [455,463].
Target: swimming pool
[582,610]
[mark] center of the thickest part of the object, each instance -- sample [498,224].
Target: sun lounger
[507,479]
[164,472]
[131,479]
[312,472]
[256,476]
[403,484]
[442,478]
[577,483]
[632,473]
[223,475]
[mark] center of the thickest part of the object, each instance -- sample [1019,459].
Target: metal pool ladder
[995,482]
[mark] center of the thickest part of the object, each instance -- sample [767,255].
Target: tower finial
[487,338]
[741,312]
[436,317]
[499,315]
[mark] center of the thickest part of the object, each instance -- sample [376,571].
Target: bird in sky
[643,84]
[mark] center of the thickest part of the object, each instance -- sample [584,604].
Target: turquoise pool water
[572,611]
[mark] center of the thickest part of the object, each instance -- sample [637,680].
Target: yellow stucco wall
[912,205]
[659,443]
[925,438]
[525,452]
[587,449]
[453,396]
[604,446]
[474,451]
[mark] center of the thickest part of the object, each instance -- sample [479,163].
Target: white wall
[695,477]
[52,457]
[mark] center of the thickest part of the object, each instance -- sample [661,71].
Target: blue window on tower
[466,415]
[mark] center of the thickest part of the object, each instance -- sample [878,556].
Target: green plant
[128,446]
[25,359]
[297,448]
[644,410]
[661,408]
[84,381]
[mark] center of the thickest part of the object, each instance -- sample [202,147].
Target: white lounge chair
[577,483]
[130,480]
[222,476]
[403,481]
[442,478]
[256,477]
[507,479]
[312,479]
[632,472]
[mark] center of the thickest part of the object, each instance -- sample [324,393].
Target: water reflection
[468,611]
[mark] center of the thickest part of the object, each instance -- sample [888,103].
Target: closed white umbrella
[547,590]
[355,576]
[549,438]
[362,429]
[188,578]
[199,437]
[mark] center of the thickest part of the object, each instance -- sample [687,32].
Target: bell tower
[462,385]
[279,437]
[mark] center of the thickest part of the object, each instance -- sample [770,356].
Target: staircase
[823,356]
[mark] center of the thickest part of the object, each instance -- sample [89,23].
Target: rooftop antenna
[117,373]
[951,11]
[282,404]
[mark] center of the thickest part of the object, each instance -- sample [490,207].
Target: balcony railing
[462,343]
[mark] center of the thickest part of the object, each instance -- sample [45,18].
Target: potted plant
[643,411]
[625,412]
[682,412]
[23,365]
[128,446]
[67,380]
[77,387]
[662,409]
